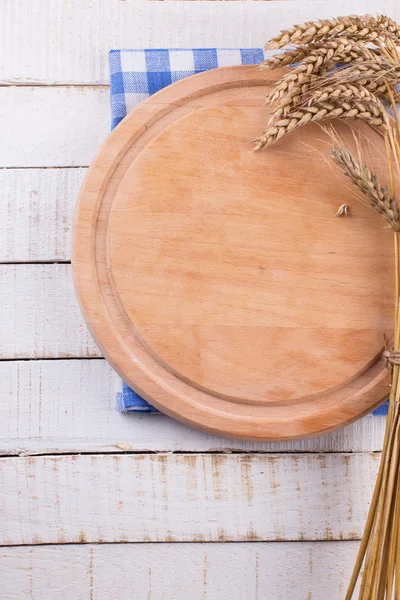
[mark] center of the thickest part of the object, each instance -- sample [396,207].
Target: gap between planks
[43,167]
[22,360]
[36,262]
[38,84]
[223,452]
[138,544]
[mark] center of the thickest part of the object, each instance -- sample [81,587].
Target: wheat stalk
[343,91]
[294,88]
[370,66]
[322,56]
[291,86]
[357,103]
[376,77]
[373,76]
[367,28]
[379,196]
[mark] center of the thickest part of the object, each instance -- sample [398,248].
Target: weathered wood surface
[68,42]
[36,211]
[256,571]
[40,314]
[184,497]
[68,406]
[53,126]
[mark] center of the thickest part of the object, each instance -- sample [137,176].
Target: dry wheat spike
[356,103]
[289,93]
[343,91]
[295,87]
[368,184]
[366,28]
[323,55]
[371,75]
[293,83]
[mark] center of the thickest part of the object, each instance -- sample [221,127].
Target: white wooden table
[96,505]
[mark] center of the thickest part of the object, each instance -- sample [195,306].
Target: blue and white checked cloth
[137,74]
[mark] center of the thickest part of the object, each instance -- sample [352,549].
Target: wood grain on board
[49,407]
[217,280]
[185,497]
[177,571]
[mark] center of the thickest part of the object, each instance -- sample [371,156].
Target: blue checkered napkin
[137,74]
[129,401]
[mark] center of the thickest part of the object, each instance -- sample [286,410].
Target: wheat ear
[366,28]
[293,88]
[344,91]
[379,196]
[376,77]
[356,103]
[322,56]
[290,85]
[373,76]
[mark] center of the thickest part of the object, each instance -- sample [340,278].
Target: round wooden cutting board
[217,281]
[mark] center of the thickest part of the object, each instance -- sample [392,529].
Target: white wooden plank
[40,314]
[68,42]
[68,406]
[184,497]
[52,126]
[36,209]
[254,571]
